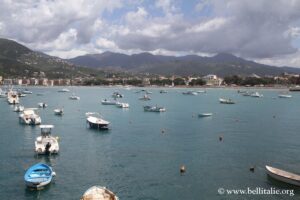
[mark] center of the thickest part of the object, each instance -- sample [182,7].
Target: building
[33,81]
[212,79]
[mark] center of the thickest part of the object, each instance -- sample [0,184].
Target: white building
[212,79]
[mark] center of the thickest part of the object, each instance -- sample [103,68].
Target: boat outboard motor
[47,148]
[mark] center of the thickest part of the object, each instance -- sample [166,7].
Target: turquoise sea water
[137,161]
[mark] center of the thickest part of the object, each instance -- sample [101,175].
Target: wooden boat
[205,115]
[99,193]
[283,176]
[226,101]
[38,175]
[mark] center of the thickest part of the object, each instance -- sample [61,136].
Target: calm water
[136,161]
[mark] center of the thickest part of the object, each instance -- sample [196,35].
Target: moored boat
[108,102]
[95,121]
[122,105]
[12,97]
[117,95]
[42,105]
[154,109]
[285,96]
[30,117]
[226,101]
[283,176]
[38,175]
[256,94]
[99,193]
[205,115]
[163,91]
[59,111]
[145,98]
[295,89]
[64,90]
[74,97]
[46,143]
[190,93]
[19,108]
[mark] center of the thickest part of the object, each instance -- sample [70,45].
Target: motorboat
[38,175]
[59,111]
[19,108]
[154,109]
[99,193]
[20,94]
[30,117]
[42,105]
[74,97]
[226,101]
[283,176]
[64,90]
[107,102]
[117,95]
[46,143]
[256,94]
[201,91]
[163,91]
[12,97]
[95,121]
[205,115]
[295,89]
[190,93]
[122,105]
[145,98]
[285,96]
[26,91]
[246,94]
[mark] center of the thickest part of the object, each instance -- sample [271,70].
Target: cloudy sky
[267,31]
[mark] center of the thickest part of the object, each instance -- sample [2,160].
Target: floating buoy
[220,138]
[252,169]
[182,169]
[163,131]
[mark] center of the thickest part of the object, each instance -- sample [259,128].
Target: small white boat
[190,93]
[107,102]
[201,91]
[12,97]
[163,91]
[99,193]
[205,115]
[46,143]
[64,90]
[285,96]
[74,97]
[122,105]
[148,92]
[30,117]
[256,94]
[19,108]
[42,105]
[246,94]
[26,91]
[59,111]
[226,101]
[22,95]
[283,176]
[95,121]
[154,109]
[145,98]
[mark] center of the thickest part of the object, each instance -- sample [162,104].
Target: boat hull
[282,178]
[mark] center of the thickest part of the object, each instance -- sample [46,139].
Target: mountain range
[222,64]
[18,60]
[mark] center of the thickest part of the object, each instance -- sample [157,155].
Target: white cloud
[104,43]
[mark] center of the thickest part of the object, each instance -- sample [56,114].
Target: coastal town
[210,80]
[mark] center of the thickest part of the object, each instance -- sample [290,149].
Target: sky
[267,31]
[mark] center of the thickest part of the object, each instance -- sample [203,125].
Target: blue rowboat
[38,175]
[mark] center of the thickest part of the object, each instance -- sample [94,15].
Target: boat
[38,175]
[163,91]
[285,96]
[46,143]
[19,108]
[107,102]
[95,121]
[256,94]
[205,115]
[99,193]
[201,91]
[295,89]
[26,91]
[154,109]
[148,92]
[190,93]
[226,101]
[64,90]
[59,111]
[21,94]
[12,97]
[2,94]
[122,105]
[74,97]
[246,94]
[30,117]
[117,95]
[145,98]
[42,105]
[283,176]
